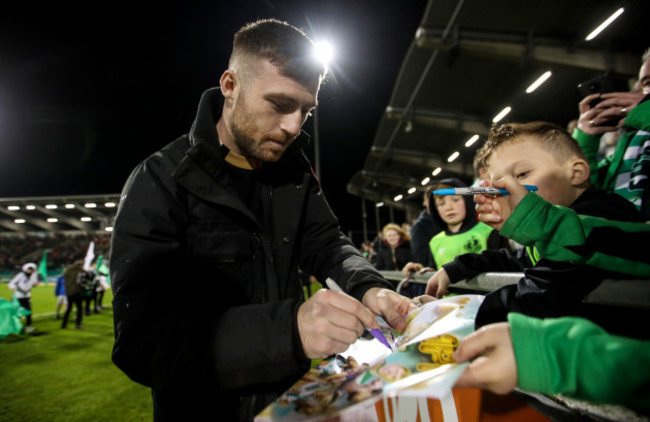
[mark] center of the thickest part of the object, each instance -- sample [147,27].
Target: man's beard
[241,124]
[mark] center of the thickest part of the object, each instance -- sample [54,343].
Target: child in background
[61,298]
[545,155]
[463,233]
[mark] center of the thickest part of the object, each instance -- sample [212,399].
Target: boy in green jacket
[570,356]
[560,234]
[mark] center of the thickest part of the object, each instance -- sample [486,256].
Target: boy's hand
[411,267]
[437,284]
[494,366]
[495,211]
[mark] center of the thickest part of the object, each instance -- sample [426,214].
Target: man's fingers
[351,308]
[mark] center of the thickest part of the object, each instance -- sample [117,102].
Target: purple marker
[379,336]
[375,333]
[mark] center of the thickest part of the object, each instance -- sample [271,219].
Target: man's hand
[438,283]
[329,322]
[391,305]
[494,366]
[494,212]
[615,106]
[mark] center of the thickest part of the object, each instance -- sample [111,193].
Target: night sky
[87,93]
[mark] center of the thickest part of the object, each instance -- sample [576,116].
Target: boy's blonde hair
[402,233]
[551,137]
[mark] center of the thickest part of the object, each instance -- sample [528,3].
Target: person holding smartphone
[627,171]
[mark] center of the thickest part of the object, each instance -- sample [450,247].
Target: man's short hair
[552,137]
[646,55]
[284,45]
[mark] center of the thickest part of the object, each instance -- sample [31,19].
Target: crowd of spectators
[62,248]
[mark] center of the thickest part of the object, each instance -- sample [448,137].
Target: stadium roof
[469,60]
[87,213]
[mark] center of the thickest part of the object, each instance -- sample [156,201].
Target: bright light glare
[604,25]
[503,113]
[471,141]
[324,52]
[86,219]
[19,221]
[90,205]
[51,206]
[538,82]
[110,205]
[109,229]
[453,156]
[425,181]
[379,204]
[436,171]
[69,206]
[13,207]
[412,190]
[52,220]
[30,207]
[398,197]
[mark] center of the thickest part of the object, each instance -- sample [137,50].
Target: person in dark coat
[209,238]
[396,252]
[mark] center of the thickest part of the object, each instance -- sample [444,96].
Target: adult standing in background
[209,236]
[75,292]
[21,285]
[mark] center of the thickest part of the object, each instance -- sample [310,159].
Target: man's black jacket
[206,296]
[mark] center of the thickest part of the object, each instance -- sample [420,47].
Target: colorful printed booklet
[418,363]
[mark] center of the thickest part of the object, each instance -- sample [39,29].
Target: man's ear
[228,83]
[578,171]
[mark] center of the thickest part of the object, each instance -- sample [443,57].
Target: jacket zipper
[265,287]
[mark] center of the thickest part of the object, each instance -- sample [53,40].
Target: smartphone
[599,85]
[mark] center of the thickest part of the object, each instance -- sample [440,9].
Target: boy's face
[530,164]
[451,208]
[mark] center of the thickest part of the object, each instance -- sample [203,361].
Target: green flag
[42,268]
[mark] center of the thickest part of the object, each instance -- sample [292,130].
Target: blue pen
[375,333]
[479,190]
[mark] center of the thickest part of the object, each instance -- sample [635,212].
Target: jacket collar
[204,128]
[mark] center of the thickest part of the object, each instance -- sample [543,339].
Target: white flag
[90,255]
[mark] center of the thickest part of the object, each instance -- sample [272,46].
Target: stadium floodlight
[471,141]
[30,207]
[69,206]
[503,113]
[398,197]
[538,82]
[453,156]
[324,52]
[412,191]
[86,219]
[425,181]
[52,220]
[90,205]
[51,206]
[109,204]
[604,25]
[19,221]
[436,171]
[13,207]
